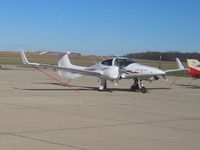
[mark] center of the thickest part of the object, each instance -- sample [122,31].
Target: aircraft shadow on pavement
[83,88]
[190,86]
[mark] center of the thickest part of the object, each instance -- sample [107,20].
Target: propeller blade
[121,70]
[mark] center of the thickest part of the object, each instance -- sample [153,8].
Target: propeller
[121,70]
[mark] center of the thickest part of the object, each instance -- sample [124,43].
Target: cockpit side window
[107,62]
[123,62]
[119,62]
[129,61]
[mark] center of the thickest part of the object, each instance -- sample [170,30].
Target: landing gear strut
[136,86]
[103,85]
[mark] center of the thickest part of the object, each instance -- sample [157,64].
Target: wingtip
[23,56]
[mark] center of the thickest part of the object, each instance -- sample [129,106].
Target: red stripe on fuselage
[194,72]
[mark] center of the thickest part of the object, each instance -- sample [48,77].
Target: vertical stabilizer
[64,61]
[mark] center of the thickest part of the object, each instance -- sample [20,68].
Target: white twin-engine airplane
[113,69]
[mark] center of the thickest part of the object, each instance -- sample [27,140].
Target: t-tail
[65,62]
[194,67]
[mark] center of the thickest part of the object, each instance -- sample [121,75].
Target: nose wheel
[138,86]
[143,90]
[103,85]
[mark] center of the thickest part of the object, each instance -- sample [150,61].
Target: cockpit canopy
[120,62]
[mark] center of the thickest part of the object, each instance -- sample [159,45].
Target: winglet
[23,56]
[25,60]
[180,67]
[179,64]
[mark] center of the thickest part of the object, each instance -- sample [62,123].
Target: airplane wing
[180,67]
[96,73]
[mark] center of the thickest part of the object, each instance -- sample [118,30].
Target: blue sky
[102,27]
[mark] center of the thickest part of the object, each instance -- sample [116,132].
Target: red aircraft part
[194,72]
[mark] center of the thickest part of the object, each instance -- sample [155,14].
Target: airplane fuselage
[194,72]
[110,69]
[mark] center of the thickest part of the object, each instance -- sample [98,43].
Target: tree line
[165,56]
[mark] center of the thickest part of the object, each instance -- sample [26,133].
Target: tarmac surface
[37,113]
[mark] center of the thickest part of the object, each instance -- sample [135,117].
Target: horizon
[85,54]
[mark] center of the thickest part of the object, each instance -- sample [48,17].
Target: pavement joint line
[102,126]
[173,120]
[106,118]
[111,119]
[43,141]
[128,122]
[56,111]
[78,128]
[174,128]
[95,116]
[17,105]
[49,109]
[155,125]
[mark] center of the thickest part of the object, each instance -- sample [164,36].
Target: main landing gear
[103,85]
[138,86]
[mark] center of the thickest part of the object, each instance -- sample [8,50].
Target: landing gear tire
[102,88]
[138,86]
[134,88]
[143,90]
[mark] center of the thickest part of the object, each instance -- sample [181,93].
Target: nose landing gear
[138,86]
[103,85]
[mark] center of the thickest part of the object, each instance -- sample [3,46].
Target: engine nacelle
[153,78]
[111,73]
